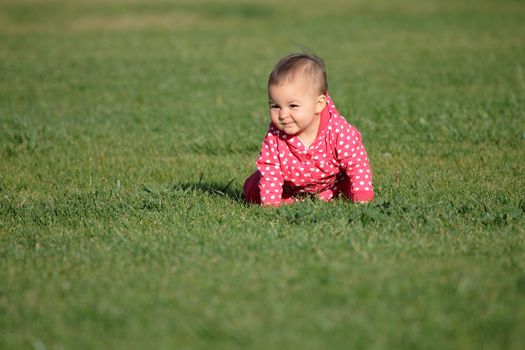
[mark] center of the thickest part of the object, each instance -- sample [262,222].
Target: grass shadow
[213,188]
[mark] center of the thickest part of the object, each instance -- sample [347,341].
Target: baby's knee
[251,188]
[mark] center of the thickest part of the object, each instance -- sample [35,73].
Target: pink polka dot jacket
[336,162]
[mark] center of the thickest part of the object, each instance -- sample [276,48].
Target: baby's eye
[274,106]
[294,106]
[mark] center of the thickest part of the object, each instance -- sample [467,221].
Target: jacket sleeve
[268,164]
[353,159]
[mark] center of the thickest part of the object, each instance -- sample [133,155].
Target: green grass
[123,124]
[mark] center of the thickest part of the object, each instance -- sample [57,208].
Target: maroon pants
[252,194]
[251,188]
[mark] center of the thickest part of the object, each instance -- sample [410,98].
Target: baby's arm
[354,160]
[268,164]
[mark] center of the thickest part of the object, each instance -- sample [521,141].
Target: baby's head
[306,66]
[297,94]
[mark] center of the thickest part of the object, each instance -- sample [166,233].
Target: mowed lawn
[127,129]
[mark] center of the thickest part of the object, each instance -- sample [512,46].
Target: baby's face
[295,106]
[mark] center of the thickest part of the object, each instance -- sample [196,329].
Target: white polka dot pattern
[286,164]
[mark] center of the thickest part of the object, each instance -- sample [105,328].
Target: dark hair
[307,64]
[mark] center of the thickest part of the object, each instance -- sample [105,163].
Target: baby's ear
[321,103]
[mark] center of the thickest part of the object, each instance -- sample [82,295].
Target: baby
[309,149]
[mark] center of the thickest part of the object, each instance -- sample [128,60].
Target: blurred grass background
[123,124]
